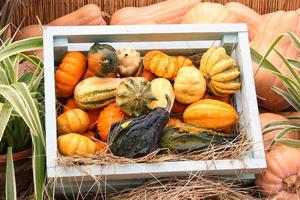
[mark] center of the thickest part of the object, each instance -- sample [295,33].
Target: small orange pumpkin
[109,115]
[69,72]
[173,121]
[72,121]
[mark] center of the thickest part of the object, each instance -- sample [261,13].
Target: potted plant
[21,116]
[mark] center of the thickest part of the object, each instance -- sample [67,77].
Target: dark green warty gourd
[139,136]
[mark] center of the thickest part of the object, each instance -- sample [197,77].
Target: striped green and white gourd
[134,95]
[96,92]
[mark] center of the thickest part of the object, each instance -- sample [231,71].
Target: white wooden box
[179,39]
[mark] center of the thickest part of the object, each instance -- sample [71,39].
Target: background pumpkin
[72,121]
[69,72]
[108,116]
[280,22]
[167,12]
[206,13]
[75,144]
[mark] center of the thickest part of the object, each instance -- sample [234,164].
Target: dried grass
[48,10]
[231,150]
[193,188]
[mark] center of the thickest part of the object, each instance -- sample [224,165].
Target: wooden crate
[172,39]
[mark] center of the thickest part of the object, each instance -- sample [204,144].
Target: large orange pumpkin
[281,179]
[279,22]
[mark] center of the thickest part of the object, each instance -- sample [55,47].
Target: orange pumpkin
[72,121]
[207,13]
[93,114]
[147,75]
[69,72]
[279,22]
[109,115]
[281,179]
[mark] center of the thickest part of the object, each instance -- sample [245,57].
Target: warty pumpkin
[95,92]
[69,72]
[129,61]
[211,114]
[134,96]
[189,85]
[167,12]
[208,13]
[75,144]
[102,60]
[220,71]
[160,88]
[72,121]
[279,22]
[107,117]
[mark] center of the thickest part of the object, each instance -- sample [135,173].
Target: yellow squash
[160,88]
[75,144]
[220,71]
[189,85]
[209,113]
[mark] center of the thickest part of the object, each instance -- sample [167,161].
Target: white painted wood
[180,39]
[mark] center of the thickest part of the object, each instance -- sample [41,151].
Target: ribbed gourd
[220,71]
[96,92]
[186,137]
[212,114]
[134,95]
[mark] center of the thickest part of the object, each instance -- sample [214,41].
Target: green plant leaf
[289,98]
[36,61]
[296,63]
[10,181]
[5,112]
[29,44]
[289,142]
[3,78]
[3,29]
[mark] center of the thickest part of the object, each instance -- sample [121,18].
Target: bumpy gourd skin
[138,136]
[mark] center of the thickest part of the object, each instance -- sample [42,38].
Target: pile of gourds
[115,99]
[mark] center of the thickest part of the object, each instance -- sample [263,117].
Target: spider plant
[291,82]
[21,109]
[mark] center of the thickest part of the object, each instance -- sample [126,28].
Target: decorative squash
[167,12]
[134,95]
[95,92]
[209,13]
[138,136]
[186,137]
[245,14]
[265,80]
[75,144]
[102,60]
[173,121]
[178,108]
[160,88]
[163,65]
[93,114]
[209,113]
[189,85]
[147,75]
[108,116]
[72,121]
[129,61]
[69,72]
[220,71]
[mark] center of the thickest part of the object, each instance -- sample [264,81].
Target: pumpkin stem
[292,184]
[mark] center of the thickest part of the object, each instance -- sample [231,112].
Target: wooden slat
[47,10]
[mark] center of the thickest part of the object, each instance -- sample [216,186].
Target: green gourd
[139,136]
[186,137]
